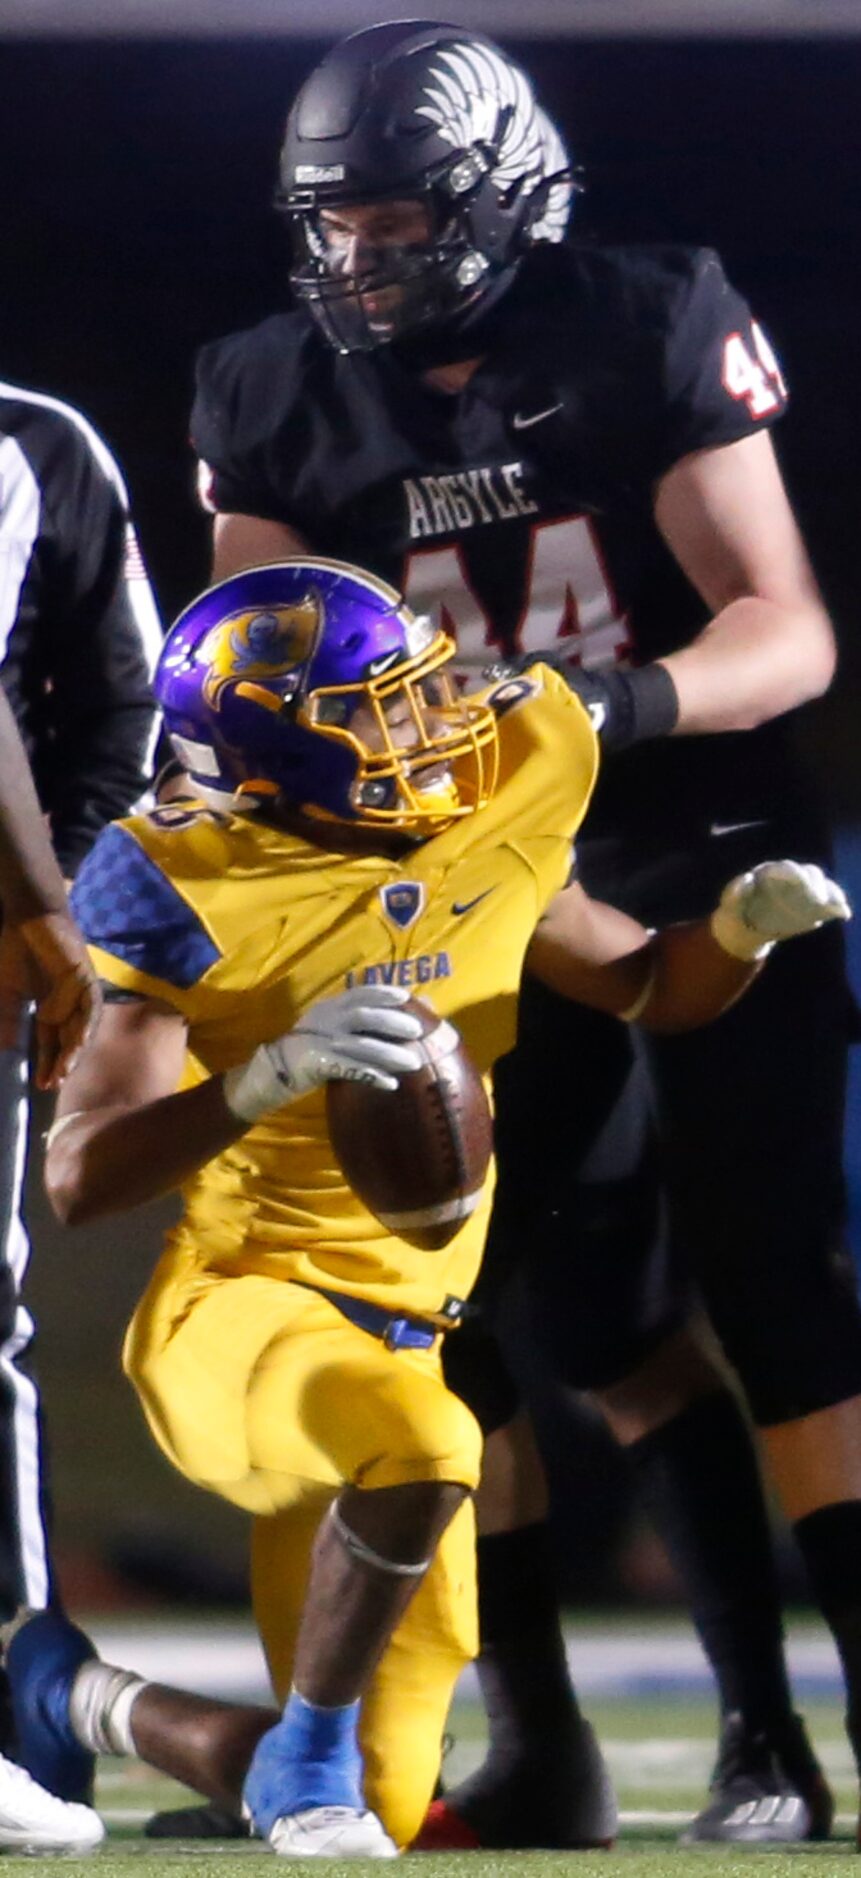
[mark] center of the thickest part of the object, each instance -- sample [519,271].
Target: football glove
[625,706]
[359,1036]
[774,901]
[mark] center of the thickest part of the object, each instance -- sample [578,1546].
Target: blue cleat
[309,1759]
[41,1661]
[306,1800]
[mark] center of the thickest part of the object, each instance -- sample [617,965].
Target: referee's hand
[44,961]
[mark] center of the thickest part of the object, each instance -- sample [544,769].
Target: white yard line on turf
[625,1661]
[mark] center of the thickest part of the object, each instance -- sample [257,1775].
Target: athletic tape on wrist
[255,1088]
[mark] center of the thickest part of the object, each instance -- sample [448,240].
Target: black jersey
[519,512]
[79,633]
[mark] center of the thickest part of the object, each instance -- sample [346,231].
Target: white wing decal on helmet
[470,89]
[472,85]
[554,221]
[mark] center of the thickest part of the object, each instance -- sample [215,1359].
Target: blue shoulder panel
[125,904]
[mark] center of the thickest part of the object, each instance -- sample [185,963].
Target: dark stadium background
[135,223]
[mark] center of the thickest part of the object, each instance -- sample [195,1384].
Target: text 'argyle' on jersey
[127,906]
[518,512]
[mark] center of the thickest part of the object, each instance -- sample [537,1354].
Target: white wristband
[254,1088]
[734,936]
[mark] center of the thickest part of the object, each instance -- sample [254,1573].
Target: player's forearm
[754,661]
[108,1160]
[699,970]
[104,1157]
[678,979]
[30,880]
[692,979]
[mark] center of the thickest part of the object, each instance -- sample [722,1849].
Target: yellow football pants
[404,1711]
[263,1392]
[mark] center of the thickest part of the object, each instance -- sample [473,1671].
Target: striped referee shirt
[79,631]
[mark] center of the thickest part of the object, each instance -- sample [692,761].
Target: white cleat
[33,1820]
[331,1832]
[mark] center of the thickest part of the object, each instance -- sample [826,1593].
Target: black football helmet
[418,110]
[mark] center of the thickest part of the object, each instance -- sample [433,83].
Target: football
[417,1155]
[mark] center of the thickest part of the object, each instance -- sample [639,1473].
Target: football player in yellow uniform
[363,833]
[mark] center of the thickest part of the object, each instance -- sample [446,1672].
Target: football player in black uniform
[563,449]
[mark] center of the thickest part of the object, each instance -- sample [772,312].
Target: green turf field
[652,1859]
[659,1748]
[659,1752]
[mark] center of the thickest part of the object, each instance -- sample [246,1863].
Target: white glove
[358,1036]
[776,900]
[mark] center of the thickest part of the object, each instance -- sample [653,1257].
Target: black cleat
[197,1822]
[561,1799]
[767,1789]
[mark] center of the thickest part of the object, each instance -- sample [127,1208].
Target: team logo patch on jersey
[402,902]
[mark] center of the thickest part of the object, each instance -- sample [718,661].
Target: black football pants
[749,1160]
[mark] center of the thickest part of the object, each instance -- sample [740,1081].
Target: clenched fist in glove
[359,1036]
[776,900]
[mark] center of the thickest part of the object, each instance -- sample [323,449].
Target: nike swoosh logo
[466,906]
[537,417]
[735,828]
[380,665]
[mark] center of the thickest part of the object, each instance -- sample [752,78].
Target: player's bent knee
[439,1441]
[679,1371]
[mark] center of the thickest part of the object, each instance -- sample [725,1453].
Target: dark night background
[135,222]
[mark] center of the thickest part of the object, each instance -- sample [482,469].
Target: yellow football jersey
[240,926]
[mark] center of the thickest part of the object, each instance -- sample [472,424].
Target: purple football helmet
[312,681]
